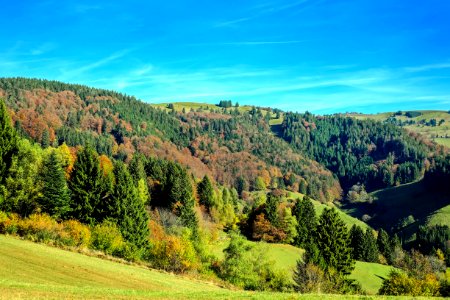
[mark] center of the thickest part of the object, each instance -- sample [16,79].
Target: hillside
[226,144]
[404,208]
[89,168]
[437,130]
[38,271]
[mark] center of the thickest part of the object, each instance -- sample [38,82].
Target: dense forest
[359,152]
[84,167]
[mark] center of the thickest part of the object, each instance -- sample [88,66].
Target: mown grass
[32,271]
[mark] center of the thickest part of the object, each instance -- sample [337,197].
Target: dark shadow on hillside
[394,204]
[277,130]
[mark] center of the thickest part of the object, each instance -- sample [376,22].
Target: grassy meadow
[31,271]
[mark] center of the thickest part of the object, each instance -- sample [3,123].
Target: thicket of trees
[358,152]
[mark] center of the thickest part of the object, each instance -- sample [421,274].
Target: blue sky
[316,55]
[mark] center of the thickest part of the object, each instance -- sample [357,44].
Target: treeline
[365,152]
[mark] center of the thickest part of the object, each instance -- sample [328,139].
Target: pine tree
[8,143]
[205,192]
[45,139]
[357,242]
[333,241]
[127,209]
[306,221]
[384,245]
[271,209]
[55,198]
[88,187]
[370,247]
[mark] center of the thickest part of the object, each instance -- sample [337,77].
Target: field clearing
[31,271]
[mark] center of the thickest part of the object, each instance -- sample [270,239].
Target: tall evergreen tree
[271,209]
[127,209]
[8,143]
[88,187]
[306,221]
[333,241]
[205,192]
[357,242]
[55,198]
[370,247]
[384,245]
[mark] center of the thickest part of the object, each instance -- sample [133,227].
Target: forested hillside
[92,169]
[235,147]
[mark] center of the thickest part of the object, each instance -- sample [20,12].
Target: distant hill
[433,124]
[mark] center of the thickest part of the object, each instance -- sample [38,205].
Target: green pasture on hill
[32,271]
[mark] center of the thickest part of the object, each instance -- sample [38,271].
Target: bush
[400,284]
[106,237]
[248,267]
[171,252]
[75,234]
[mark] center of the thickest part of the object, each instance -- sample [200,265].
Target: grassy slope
[33,271]
[285,258]
[395,203]
[428,131]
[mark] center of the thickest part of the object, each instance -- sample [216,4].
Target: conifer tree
[333,241]
[8,143]
[357,242]
[272,209]
[370,247]
[384,245]
[55,198]
[88,187]
[306,221]
[205,192]
[127,209]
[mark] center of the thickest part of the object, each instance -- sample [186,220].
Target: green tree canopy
[55,198]
[333,241]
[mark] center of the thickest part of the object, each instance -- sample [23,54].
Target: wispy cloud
[42,49]
[261,11]
[70,74]
[428,67]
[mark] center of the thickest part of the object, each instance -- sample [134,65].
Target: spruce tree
[370,247]
[87,186]
[357,242]
[205,192]
[8,143]
[271,209]
[55,198]
[384,245]
[333,241]
[306,221]
[127,209]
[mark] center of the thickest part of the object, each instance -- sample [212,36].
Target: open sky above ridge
[317,55]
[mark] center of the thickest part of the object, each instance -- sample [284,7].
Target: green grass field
[35,271]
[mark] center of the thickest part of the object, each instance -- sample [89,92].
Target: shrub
[399,283]
[106,237]
[171,252]
[75,234]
